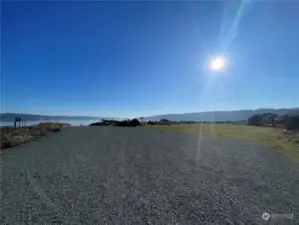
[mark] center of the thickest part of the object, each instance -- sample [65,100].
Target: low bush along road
[115,175]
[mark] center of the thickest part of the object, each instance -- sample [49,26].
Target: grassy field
[274,138]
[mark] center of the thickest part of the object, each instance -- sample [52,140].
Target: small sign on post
[17,119]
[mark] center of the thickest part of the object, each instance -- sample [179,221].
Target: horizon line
[209,111]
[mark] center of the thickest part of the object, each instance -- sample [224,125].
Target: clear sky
[145,58]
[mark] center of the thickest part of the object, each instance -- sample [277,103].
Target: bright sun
[217,63]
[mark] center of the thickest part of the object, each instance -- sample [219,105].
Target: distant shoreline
[34,122]
[234,115]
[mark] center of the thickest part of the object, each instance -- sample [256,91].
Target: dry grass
[11,137]
[273,137]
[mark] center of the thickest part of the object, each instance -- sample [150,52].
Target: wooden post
[15,123]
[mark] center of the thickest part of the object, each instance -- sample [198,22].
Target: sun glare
[217,63]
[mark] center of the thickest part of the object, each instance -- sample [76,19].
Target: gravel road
[113,175]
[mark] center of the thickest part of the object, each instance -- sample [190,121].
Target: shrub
[123,123]
[291,122]
[104,123]
[255,120]
[134,122]
[98,124]
[128,123]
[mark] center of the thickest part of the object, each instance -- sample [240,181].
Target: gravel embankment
[112,175]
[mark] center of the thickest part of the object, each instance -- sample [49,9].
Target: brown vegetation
[11,136]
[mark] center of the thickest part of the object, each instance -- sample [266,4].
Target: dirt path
[110,175]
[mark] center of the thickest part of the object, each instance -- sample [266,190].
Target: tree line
[290,122]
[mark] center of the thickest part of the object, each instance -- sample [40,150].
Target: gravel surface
[113,175]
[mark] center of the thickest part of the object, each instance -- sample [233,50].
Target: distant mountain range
[32,117]
[237,115]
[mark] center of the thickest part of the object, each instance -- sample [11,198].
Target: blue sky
[146,58]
